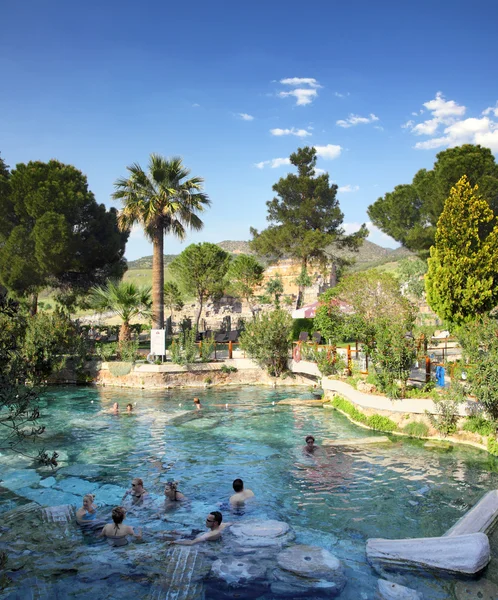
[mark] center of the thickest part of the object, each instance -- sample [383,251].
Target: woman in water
[116,533]
[137,492]
[88,512]
[172,497]
[197,403]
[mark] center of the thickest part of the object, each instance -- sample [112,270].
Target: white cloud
[491,110]
[348,188]
[273,163]
[482,131]
[442,108]
[328,152]
[297,81]
[303,96]
[409,124]
[353,120]
[195,105]
[428,127]
[292,131]
[339,95]
[319,171]
[374,235]
[246,117]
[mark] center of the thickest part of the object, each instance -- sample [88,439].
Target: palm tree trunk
[158,280]
[124,332]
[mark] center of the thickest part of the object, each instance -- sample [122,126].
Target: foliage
[124,299]
[393,356]
[479,425]
[410,274]
[416,429]
[462,278]
[426,391]
[299,325]
[445,418]
[128,350]
[184,350]
[227,369]
[200,270]
[120,368]
[350,409]
[305,218]
[53,233]
[173,298]
[105,351]
[206,349]
[303,280]
[275,287]
[329,363]
[163,200]
[479,340]
[267,340]
[244,274]
[409,213]
[329,320]
[493,445]
[381,423]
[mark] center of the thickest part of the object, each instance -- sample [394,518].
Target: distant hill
[369,254]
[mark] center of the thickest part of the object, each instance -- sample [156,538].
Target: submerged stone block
[246,571]
[184,571]
[258,534]
[15,480]
[58,514]
[463,554]
[387,590]
[366,441]
[476,590]
[480,518]
[75,485]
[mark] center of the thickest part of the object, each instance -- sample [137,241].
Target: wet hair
[129,405]
[138,481]
[238,485]
[118,515]
[218,517]
[309,437]
[197,401]
[173,485]
[90,497]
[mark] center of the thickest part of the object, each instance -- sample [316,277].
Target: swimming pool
[335,501]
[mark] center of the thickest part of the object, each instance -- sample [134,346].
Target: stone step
[182,578]
[480,518]
[15,514]
[463,554]
[58,514]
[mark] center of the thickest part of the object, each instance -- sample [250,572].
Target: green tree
[53,232]
[124,299]
[410,275]
[200,270]
[329,319]
[267,339]
[462,276]
[173,299]
[275,288]
[244,274]
[164,201]
[410,213]
[305,218]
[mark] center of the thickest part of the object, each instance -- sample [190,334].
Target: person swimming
[310,447]
[137,492]
[241,494]
[116,533]
[197,403]
[129,408]
[88,512]
[172,496]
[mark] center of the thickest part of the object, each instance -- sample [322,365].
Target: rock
[239,571]
[77,486]
[109,494]
[463,554]
[366,441]
[366,388]
[257,533]
[20,513]
[58,514]
[388,590]
[311,561]
[182,579]
[49,496]
[47,482]
[476,590]
[438,445]
[482,517]
[16,480]
[302,401]
[287,584]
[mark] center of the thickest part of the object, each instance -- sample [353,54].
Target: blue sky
[379,88]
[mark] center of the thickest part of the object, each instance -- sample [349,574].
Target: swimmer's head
[118,514]
[238,485]
[310,439]
[214,517]
[88,499]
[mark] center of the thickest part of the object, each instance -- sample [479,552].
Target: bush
[105,351]
[479,425]
[493,446]
[206,349]
[228,369]
[267,340]
[350,409]
[446,417]
[416,429]
[299,325]
[328,363]
[127,351]
[381,423]
[184,349]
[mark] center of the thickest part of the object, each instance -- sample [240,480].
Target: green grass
[416,429]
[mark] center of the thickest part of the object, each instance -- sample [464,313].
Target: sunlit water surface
[337,500]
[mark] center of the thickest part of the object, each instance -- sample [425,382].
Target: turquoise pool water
[336,500]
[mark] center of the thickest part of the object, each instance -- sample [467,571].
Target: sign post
[158,342]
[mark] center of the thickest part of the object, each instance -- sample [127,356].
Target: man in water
[213,523]
[197,403]
[310,447]
[241,494]
[115,409]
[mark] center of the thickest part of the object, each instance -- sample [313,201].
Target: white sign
[158,342]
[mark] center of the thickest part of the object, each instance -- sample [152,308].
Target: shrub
[208,380]
[416,429]
[128,350]
[184,349]
[206,349]
[446,417]
[228,369]
[119,369]
[105,351]
[493,446]
[267,340]
[381,423]
[328,364]
[479,425]
[299,325]
[350,409]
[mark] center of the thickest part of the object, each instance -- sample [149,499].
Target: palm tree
[124,299]
[163,201]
